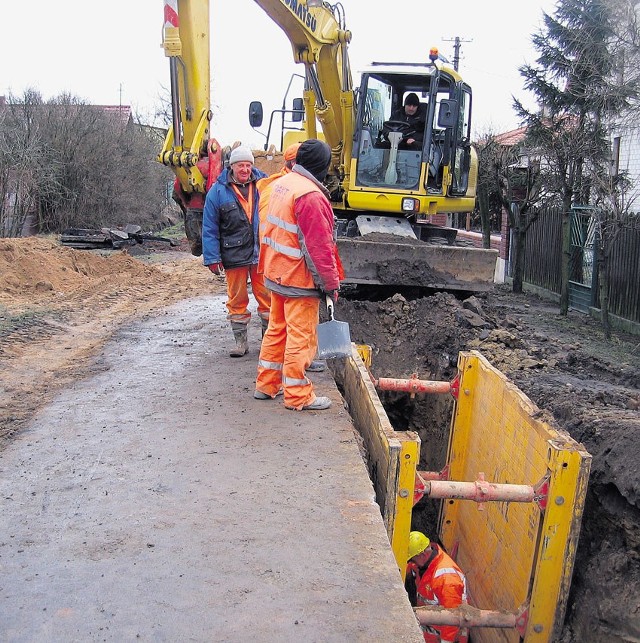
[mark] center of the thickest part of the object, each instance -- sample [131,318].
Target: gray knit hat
[241,154]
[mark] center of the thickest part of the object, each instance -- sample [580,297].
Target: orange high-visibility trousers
[238,293]
[288,347]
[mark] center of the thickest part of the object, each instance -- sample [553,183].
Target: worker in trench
[433,578]
[230,242]
[298,259]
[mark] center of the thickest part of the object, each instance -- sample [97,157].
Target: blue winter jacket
[227,235]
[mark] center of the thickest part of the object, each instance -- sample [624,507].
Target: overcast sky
[110,52]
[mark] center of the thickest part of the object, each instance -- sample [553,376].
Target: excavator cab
[407,173]
[417,168]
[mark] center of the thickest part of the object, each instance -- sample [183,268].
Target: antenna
[456,49]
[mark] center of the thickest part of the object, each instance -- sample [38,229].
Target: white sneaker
[319,404]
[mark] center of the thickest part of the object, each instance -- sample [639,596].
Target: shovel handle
[329,306]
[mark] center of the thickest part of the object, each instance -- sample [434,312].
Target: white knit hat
[241,154]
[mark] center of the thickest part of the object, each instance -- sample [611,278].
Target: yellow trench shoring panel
[392,456]
[517,556]
[514,554]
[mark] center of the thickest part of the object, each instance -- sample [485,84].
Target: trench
[428,415]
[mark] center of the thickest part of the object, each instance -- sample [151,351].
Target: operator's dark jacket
[417,121]
[228,237]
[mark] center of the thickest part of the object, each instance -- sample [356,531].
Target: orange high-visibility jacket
[442,583]
[298,249]
[265,186]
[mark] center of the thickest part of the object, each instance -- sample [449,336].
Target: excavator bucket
[384,259]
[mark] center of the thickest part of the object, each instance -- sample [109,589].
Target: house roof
[122,112]
[513,137]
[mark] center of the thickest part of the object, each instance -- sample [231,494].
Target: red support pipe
[412,385]
[466,616]
[436,485]
[480,491]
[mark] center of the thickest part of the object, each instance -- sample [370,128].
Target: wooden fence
[543,255]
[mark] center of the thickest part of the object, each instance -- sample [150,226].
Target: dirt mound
[42,265]
[59,305]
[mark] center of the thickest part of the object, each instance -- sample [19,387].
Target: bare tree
[78,165]
[612,214]
[511,178]
[23,167]
[489,204]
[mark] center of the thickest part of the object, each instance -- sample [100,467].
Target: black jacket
[417,122]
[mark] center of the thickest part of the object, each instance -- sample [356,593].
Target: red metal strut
[414,385]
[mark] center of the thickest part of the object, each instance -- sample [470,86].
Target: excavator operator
[411,113]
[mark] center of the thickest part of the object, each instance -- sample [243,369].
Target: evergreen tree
[578,86]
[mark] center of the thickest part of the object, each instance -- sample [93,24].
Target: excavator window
[374,149]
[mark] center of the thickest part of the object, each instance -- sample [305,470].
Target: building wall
[629,159]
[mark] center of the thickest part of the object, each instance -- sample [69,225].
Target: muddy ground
[58,306]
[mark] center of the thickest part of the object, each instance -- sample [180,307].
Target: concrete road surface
[158,501]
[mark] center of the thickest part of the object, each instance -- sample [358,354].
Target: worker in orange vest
[438,581]
[298,259]
[265,187]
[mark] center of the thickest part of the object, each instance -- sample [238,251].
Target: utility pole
[456,49]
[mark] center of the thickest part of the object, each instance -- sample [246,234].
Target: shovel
[334,339]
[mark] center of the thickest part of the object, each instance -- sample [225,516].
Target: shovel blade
[334,340]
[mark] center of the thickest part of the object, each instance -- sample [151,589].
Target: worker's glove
[216,268]
[333,295]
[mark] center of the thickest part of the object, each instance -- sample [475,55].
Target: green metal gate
[582,273]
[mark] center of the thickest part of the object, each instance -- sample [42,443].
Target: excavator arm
[186,44]
[319,40]
[375,185]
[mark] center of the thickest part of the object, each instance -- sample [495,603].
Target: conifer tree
[580,92]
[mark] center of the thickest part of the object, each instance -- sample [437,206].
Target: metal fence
[543,251]
[624,277]
[543,256]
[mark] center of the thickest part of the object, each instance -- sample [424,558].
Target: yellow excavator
[386,194]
